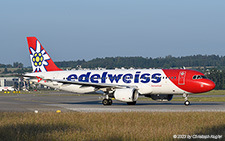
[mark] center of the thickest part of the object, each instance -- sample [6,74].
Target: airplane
[123,85]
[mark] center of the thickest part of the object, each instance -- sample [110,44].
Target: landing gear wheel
[186,103]
[107,101]
[131,103]
[110,101]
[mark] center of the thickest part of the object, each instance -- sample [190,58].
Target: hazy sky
[86,29]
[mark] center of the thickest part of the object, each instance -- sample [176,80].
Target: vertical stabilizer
[40,60]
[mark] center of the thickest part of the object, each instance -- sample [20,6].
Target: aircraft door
[181,78]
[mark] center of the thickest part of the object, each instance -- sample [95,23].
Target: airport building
[8,83]
[12,83]
[18,83]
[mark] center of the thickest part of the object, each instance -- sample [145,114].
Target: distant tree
[218,76]
[6,71]
[17,65]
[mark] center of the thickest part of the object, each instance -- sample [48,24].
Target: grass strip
[109,126]
[195,99]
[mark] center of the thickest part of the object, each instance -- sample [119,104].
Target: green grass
[195,99]
[109,126]
[190,98]
[201,99]
[198,99]
[214,92]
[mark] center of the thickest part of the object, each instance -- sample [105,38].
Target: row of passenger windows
[128,78]
[169,77]
[194,77]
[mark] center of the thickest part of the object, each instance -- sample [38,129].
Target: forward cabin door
[181,78]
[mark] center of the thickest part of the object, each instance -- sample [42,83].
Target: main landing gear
[107,99]
[186,102]
[109,102]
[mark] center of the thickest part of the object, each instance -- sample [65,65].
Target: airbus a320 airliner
[122,85]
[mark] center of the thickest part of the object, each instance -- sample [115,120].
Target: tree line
[218,76]
[215,63]
[169,61]
[14,65]
[141,62]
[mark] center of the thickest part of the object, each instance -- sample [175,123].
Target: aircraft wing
[96,85]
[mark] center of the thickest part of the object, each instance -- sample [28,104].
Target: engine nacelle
[161,97]
[126,94]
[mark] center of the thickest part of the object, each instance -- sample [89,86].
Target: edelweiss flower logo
[39,58]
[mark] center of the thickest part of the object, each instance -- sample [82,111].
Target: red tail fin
[40,60]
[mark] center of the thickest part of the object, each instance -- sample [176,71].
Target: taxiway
[52,101]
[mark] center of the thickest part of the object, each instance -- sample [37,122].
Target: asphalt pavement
[63,101]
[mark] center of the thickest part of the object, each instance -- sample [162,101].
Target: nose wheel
[186,102]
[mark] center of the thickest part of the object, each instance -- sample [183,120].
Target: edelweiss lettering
[116,78]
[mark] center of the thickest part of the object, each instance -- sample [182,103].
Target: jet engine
[126,94]
[160,97]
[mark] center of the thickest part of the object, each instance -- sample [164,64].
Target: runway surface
[52,101]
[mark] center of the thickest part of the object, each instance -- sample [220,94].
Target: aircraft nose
[210,85]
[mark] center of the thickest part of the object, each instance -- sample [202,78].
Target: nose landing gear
[186,102]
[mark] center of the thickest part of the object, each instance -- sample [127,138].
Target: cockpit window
[204,77]
[195,77]
[199,77]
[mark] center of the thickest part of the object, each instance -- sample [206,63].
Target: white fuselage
[147,81]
